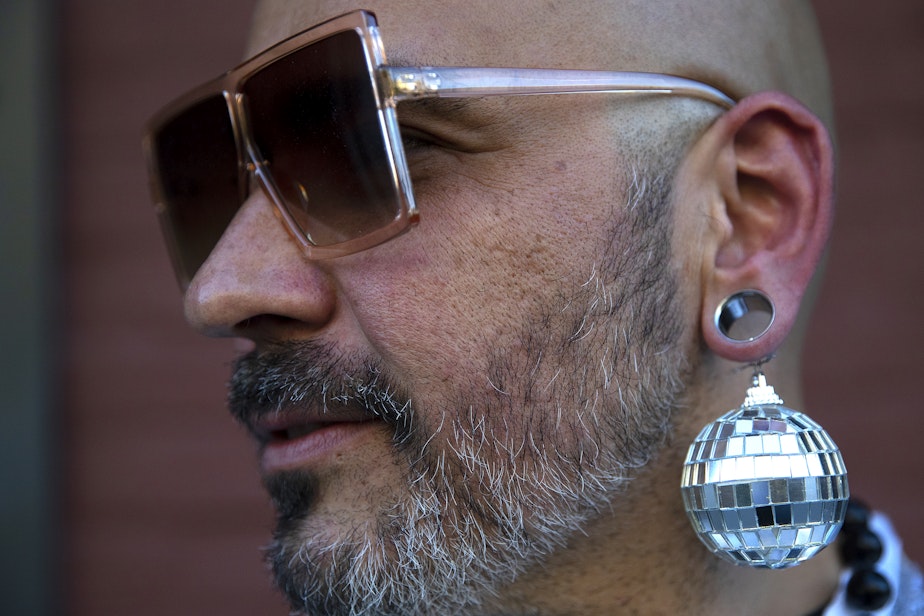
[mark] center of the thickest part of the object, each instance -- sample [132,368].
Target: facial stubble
[493,485]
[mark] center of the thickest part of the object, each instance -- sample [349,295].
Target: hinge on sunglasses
[413,84]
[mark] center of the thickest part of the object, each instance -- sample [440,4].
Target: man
[488,413]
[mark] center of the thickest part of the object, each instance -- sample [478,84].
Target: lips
[294,432]
[291,439]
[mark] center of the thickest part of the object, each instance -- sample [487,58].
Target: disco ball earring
[763,485]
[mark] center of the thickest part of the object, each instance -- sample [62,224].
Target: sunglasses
[312,122]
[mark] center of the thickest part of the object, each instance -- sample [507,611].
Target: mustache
[311,375]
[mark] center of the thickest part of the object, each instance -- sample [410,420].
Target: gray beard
[494,486]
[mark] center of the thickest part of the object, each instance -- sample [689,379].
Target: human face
[488,483]
[443,411]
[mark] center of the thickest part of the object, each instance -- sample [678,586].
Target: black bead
[862,548]
[867,590]
[856,517]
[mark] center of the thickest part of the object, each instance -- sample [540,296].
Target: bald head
[740,46]
[481,404]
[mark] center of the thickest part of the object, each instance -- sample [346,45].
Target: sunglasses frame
[390,85]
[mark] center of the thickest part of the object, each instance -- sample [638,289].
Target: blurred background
[127,489]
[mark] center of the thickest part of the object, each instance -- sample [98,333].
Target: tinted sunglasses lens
[200,181]
[314,118]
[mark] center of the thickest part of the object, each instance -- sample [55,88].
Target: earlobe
[774,173]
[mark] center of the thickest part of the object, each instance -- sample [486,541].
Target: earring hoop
[745,316]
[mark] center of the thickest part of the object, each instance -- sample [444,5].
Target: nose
[256,283]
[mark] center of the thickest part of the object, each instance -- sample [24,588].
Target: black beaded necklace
[860,549]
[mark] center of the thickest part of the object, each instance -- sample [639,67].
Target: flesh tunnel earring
[763,485]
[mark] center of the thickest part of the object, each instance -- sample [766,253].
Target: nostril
[269,327]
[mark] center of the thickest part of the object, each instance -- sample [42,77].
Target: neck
[643,557]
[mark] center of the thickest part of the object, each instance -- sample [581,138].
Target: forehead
[740,46]
[591,34]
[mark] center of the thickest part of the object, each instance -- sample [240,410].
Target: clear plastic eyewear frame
[392,85]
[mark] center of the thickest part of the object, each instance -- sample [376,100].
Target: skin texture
[533,292]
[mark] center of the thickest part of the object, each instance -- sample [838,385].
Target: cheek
[489,258]
[434,313]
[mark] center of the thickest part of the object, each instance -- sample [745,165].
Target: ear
[771,164]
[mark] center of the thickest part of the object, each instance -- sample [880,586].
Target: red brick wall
[163,513]
[864,355]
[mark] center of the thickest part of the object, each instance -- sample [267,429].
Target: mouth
[293,432]
[291,440]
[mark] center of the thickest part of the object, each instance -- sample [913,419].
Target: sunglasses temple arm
[407,83]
